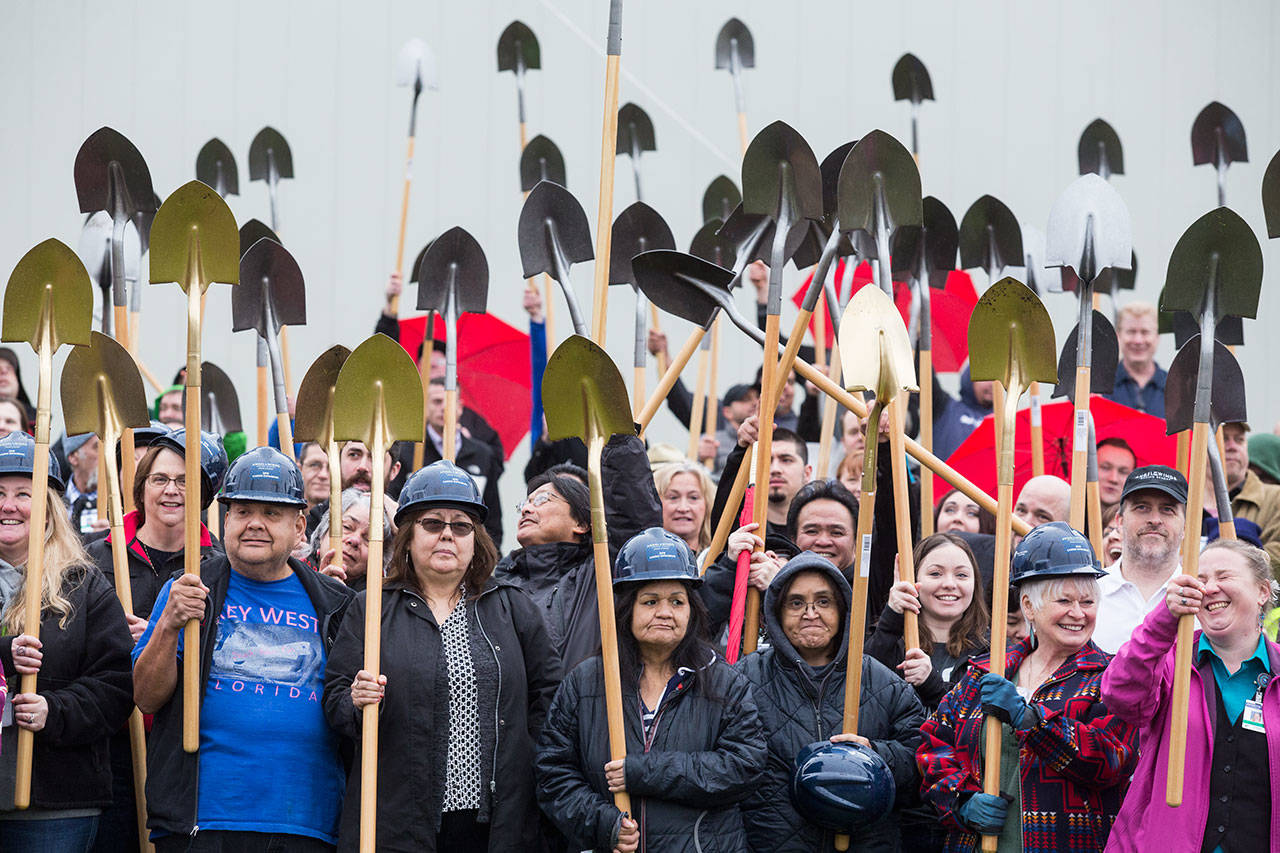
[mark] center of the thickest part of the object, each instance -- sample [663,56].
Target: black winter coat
[887,646]
[704,755]
[85,677]
[799,705]
[145,580]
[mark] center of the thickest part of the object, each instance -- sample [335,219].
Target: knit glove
[1000,699]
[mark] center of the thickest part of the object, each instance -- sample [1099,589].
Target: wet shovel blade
[220,406]
[518,41]
[315,398]
[1217,121]
[682,285]
[708,245]
[549,202]
[1227,403]
[1106,355]
[1011,337]
[779,164]
[541,160]
[875,351]
[49,285]
[583,393]
[378,390]
[879,178]
[104,152]
[195,219]
[1271,196]
[911,80]
[102,390]
[1089,229]
[253,231]
[454,256]
[735,29]
[1222,242]
[988,224]
[217,155]
[1099,151]
[269,140]
[720,198]
[635,130]
[637,229]
[269,279]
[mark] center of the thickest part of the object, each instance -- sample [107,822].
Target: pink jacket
[1137,687]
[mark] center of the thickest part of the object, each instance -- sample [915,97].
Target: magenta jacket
[1137,687]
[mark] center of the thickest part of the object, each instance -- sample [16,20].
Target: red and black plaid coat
[1074,763]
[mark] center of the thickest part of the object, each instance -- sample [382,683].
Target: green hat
[1264,453]
[155,405]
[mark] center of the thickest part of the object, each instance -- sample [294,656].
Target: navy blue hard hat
[844,787]
[264,475]
[142,437]
[18,456]
[655,555]
[1053,550]
[213,459]
[440,484]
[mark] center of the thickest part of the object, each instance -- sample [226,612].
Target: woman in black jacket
[84,687]
[695,748]
[798,684]
[467,674]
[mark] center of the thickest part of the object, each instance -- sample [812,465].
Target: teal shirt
[1238,687]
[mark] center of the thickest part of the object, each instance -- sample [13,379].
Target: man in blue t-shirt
[268,773]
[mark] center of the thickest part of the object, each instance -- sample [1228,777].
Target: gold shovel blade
[315,397]
[1011,337]
[194,240]
[102,389]
[583,393]
[50,285]
[378,389]
[875,351]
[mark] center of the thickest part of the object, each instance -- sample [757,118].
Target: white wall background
[1015,84]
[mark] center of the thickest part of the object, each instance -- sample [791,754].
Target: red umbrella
[951,309]
[494,370]
[976,457]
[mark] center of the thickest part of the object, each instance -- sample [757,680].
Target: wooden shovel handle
[637,393]
[1037,432]
[1093,504]
[699,405]
[926,441]
[451,424]
[263,406]
[604,215]
[829,412]
[653,324]
[1080,448]
[335,497]
[284,427]
[1183,450]
[999,607]
[858,611]
[372,647]
[669,378]
[404,219]
[902,513]
[138,751]
[725,526]
[129,469]
[764,457]
[710,411]
[191,525]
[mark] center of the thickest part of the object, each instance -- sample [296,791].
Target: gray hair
[1258,561]
[350,498]
[1035,592]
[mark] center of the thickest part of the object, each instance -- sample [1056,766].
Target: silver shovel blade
[416,62]
[1089,229]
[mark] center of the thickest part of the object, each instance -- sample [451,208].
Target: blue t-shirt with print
[268,760]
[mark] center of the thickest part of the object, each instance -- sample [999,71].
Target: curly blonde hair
[65,562]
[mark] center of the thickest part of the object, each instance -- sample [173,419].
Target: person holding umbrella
[695,746]
[81,659]
[468,671]
[1065,755]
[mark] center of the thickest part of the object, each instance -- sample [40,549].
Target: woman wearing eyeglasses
[468,672]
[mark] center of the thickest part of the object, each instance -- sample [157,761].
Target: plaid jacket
[1074,763]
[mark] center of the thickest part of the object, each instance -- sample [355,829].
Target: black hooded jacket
[800,704]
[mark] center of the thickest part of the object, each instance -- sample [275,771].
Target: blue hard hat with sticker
[655,555]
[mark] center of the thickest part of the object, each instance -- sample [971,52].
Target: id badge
[1252,719]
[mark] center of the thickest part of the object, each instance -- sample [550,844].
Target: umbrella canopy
[951,307]
[494,370]
[976,457]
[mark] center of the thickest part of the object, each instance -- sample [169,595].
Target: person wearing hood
[695,747]
[554,562]
[798,683]
[962,416]
[11,383]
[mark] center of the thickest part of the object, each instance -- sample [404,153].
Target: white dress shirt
[1121,609]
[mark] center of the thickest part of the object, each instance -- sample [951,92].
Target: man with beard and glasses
[1153,516]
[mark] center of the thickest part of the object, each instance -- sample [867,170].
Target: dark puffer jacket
[800,704]
[145,580]
[704,755]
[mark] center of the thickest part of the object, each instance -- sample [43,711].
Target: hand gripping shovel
[635,134]
[1099,151]
[877,357]
[911,83]
[518,52]
[111,175]
[415,68]
[585,397]
[638,229]
[453,278]
[1217,137]
[194,243]
[47,303]
[1088,232]
[1011,342]
[377,399]
[1271,196]
[736,50]
[271,294]
[251,232]
[1215,271]
[541,160]
[102,393]
[216,166]
[719,199]
[608,161]
[315,423]
[554,235]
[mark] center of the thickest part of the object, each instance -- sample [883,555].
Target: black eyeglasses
[457,528]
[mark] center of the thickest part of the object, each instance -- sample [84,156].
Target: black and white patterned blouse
[462,775]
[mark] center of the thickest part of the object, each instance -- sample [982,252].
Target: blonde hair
[664,474]
[1256,559]
[64,560]
[1133,311]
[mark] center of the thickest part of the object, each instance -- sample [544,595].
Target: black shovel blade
[268,274]
[1227,399]
[104,152]
[541,160]
[989,224]
[1271,196]
[911,80]
[1218,125]
[253,231]
[735,29]
[548,202]
[417,263]
[687,287]
[830,171]
[219,397]
[813,238]
[1220,250]
[516,41]
[1229,330]
[1099,151]
[269,139]
[740,227]
[778,164]
[711,247]
[637,229]
[719,200]
[879,178]
[931,246]
[635,130]
[1105,353]
[215,159]
[454,256]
